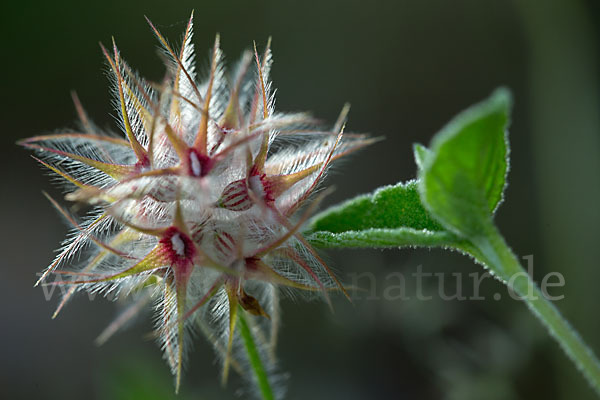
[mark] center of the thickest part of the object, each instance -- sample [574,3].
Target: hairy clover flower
[191,212]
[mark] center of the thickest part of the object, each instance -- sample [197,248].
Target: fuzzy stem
[255,360]
[491,249]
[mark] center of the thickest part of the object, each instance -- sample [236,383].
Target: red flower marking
[179,249]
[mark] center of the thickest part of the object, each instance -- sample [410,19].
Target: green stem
[493,251]
[254,357]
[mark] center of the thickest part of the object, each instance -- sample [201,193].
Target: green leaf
[421,153]
[463,176]
[388,207]
[382,238]
[461,182]
[392,216]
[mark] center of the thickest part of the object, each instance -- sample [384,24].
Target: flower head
[192,209]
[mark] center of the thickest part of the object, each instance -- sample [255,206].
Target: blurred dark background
[407,67]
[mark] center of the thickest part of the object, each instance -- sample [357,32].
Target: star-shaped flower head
[191,209]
